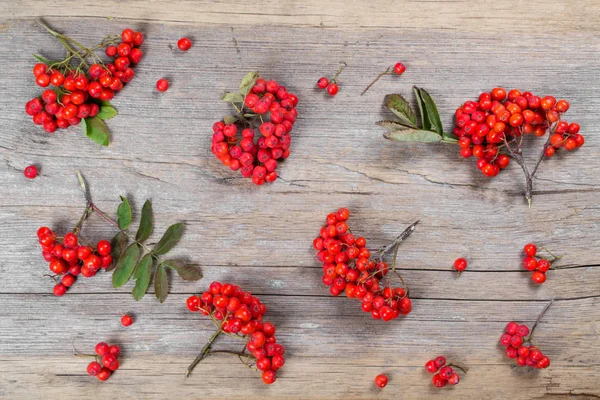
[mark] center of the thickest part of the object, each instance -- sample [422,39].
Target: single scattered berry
[30,172]
[184,44]
[162,85]
[381,380]
[126,320]
[399,68]
[460,264]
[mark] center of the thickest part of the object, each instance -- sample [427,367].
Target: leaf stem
[204,352]
[93,208]
[386,72]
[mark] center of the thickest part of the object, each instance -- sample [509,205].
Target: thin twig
[539,319]
[386,72]
[406,233]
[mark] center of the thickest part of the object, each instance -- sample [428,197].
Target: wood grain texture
[261,238]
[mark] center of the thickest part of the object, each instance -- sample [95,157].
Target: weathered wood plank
[562,16]
[261,237]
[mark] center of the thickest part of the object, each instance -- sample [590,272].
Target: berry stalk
[204,352]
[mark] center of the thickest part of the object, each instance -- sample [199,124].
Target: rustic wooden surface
[261,238]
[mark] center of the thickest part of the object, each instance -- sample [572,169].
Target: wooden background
[260,237]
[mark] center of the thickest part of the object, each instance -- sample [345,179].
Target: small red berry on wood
[184,44]
[381,380]
[162,85]
[460,264]
[126,320]
[30,172]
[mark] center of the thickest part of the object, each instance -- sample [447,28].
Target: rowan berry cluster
[537,264]
[268,106]
[240,314]
[348,266]
[68,259]
[331,85]
[498,120]
[514,340]
[444,374]
[79,90]
[106,361]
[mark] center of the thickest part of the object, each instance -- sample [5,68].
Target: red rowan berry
[399,68]
[30,172]
[460,264]
[162,85]
[184,44]
[94,368]
[332,89]
[126,320]
[381,380]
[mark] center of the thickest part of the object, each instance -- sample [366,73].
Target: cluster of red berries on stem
[107,361]
[514,340]
[349,267]
[239,314]
[536,264]
[492,129]
[263,107]
[331,85]
[444,373]
[68,258]
[398,69]
[80,88]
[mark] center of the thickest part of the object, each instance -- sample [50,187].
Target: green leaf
[145,262]
[392,125]
[161,283]
[399,106]
[230,119]
[96,130]
[247,82]
[169,239]
[118,244]
[124,213]
[142,277]
[106,112]
[232,97]
[42,59]
[431,110]
[145,228]
[425,124]
[186,272]
[126,265]
[413,135]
